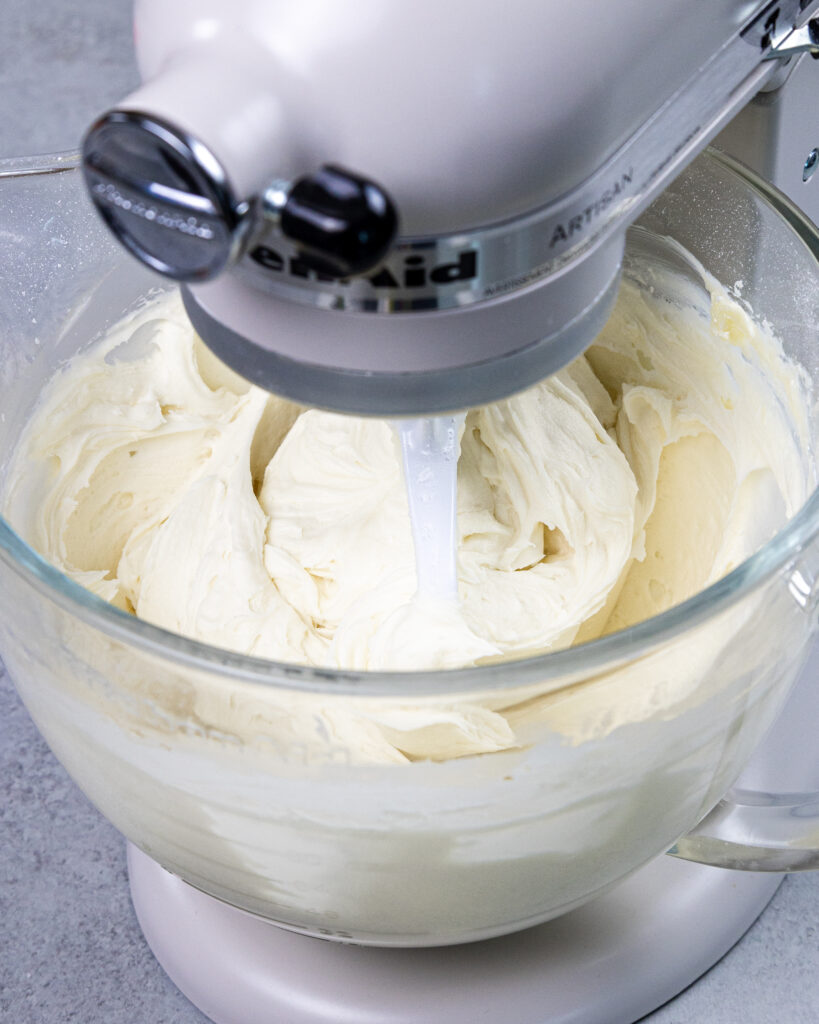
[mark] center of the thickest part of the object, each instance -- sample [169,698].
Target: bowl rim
[586,659]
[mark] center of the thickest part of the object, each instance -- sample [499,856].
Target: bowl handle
[750,830]
[758,825]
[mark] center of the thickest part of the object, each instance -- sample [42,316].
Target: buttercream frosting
[605,494]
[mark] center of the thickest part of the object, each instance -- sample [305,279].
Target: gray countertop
[70,947]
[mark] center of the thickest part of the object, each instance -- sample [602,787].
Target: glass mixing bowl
[230,771]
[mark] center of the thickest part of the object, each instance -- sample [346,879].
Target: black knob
[342,224]
[163,194]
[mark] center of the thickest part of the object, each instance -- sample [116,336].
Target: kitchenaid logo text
[412,272]
[187,225]
[574,225]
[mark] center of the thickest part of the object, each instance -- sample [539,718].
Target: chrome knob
[168,199]
[164,195]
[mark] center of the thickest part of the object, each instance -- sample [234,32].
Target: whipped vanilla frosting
[639,474]
[428,808]
[642,472]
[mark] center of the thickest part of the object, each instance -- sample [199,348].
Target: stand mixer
[475,285]
[507,167]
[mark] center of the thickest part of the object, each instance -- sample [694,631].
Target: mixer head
[487,254]
[307,290]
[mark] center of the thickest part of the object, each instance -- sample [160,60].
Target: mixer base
[608,962]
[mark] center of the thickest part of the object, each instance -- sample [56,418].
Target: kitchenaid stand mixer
[577,279]
[387,217]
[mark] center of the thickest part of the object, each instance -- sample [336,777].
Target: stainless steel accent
[775,24]
[164,194]
[800,40]
[425,363]
[273,200]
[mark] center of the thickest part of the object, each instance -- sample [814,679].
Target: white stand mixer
[508,167]
[219,187]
